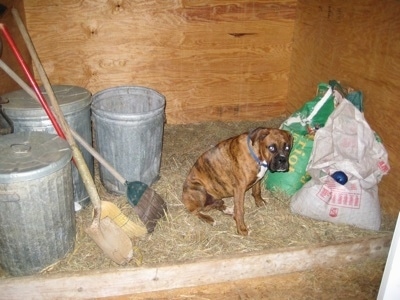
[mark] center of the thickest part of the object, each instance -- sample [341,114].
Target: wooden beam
[128,281]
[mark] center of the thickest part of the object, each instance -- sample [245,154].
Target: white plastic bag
[346,144]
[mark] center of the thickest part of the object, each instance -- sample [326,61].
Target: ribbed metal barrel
[128,125]
[37,217]
[28,115]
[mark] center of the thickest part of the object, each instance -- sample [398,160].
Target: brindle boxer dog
[231,168]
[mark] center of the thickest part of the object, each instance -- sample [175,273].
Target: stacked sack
[344,161]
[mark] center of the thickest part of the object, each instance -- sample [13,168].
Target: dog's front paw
[260,202]
[242,230]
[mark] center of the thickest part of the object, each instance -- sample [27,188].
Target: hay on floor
[181,237]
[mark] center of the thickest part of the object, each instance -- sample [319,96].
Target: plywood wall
[228,60]
[357,42]
[212,59]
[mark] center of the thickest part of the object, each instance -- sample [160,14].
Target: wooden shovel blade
[112,240]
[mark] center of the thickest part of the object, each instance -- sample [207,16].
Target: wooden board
[213,60]
[118,282]
[358,43]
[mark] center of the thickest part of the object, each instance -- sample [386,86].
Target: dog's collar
[259,162]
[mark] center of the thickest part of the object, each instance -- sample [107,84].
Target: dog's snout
[279,164]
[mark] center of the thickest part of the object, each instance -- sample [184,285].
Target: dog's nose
[282,159]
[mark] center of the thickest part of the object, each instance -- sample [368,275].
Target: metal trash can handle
[6,127]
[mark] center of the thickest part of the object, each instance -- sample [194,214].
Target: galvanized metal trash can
[37,217]
[128,126]
[28,115]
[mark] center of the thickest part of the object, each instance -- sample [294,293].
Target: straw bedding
[181,237]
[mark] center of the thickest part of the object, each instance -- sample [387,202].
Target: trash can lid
[31,155]
[70,98]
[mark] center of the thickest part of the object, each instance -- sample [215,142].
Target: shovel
[148,205]
[110,238]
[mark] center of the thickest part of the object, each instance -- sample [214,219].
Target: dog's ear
[258,134]
[291,139]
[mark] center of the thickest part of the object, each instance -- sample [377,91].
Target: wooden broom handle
[99,158]
[77,154]
[77,137]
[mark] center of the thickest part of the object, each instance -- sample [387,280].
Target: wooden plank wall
[357,42]
[213,60]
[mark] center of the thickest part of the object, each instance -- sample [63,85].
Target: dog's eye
[287,148]
[272,148]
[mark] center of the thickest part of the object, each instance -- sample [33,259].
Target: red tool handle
[32,81]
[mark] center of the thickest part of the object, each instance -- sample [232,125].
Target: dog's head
[274,147]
